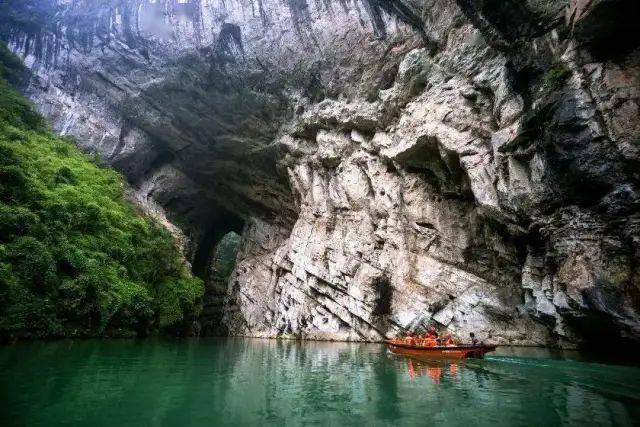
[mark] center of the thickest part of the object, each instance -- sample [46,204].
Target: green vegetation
[11,68]
[224,260]
[75,258]
[555,77]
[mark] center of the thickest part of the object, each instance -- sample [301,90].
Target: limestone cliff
[389,162]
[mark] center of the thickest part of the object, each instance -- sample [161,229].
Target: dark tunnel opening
[384,297]
[223,223]
[213,261]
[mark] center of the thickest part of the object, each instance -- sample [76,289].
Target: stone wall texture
[390,163]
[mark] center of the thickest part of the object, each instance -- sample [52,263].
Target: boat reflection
[432,369]
[243,381]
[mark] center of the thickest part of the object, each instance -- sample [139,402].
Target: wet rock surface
[392,163]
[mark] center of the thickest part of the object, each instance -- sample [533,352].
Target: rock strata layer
[390,163]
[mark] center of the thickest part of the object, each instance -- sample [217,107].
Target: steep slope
[76,259]
[390,163]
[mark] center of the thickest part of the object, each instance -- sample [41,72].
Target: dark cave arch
[221,225]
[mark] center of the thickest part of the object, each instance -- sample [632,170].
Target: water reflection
[250,381]
[432,369]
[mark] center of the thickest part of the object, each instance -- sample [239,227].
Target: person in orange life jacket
[432,334]
[430,342]
[411,338]
[428,339]
[448,340]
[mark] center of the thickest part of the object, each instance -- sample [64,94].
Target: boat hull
[440,352]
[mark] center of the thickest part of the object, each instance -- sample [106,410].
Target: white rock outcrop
[394,163]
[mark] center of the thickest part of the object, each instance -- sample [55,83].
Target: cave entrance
[213,261]
[384,296]
[224,258]
[219,269]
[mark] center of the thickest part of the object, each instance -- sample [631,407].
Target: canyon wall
[389,163]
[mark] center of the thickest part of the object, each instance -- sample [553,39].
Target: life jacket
[430,342]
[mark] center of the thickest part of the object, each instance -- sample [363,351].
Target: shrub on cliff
[76,259]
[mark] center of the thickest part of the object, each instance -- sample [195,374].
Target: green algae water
[207,382]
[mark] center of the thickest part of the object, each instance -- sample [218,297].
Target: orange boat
[439,351]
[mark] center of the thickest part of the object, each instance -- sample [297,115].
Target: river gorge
[387,164]
[319,172]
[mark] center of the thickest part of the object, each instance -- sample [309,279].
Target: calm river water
[266,382]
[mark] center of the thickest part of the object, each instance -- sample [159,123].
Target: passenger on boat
[429,342]
[431,332]
[431,337]
[474,340]
[448,340]
[410,339]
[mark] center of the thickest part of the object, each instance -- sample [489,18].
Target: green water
[266,382]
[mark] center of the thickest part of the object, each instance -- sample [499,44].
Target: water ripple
[267,382]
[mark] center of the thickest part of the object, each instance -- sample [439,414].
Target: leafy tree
[76,259]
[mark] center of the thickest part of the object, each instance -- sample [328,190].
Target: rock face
[389,163]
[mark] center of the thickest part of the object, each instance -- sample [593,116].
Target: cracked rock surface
[390,164]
